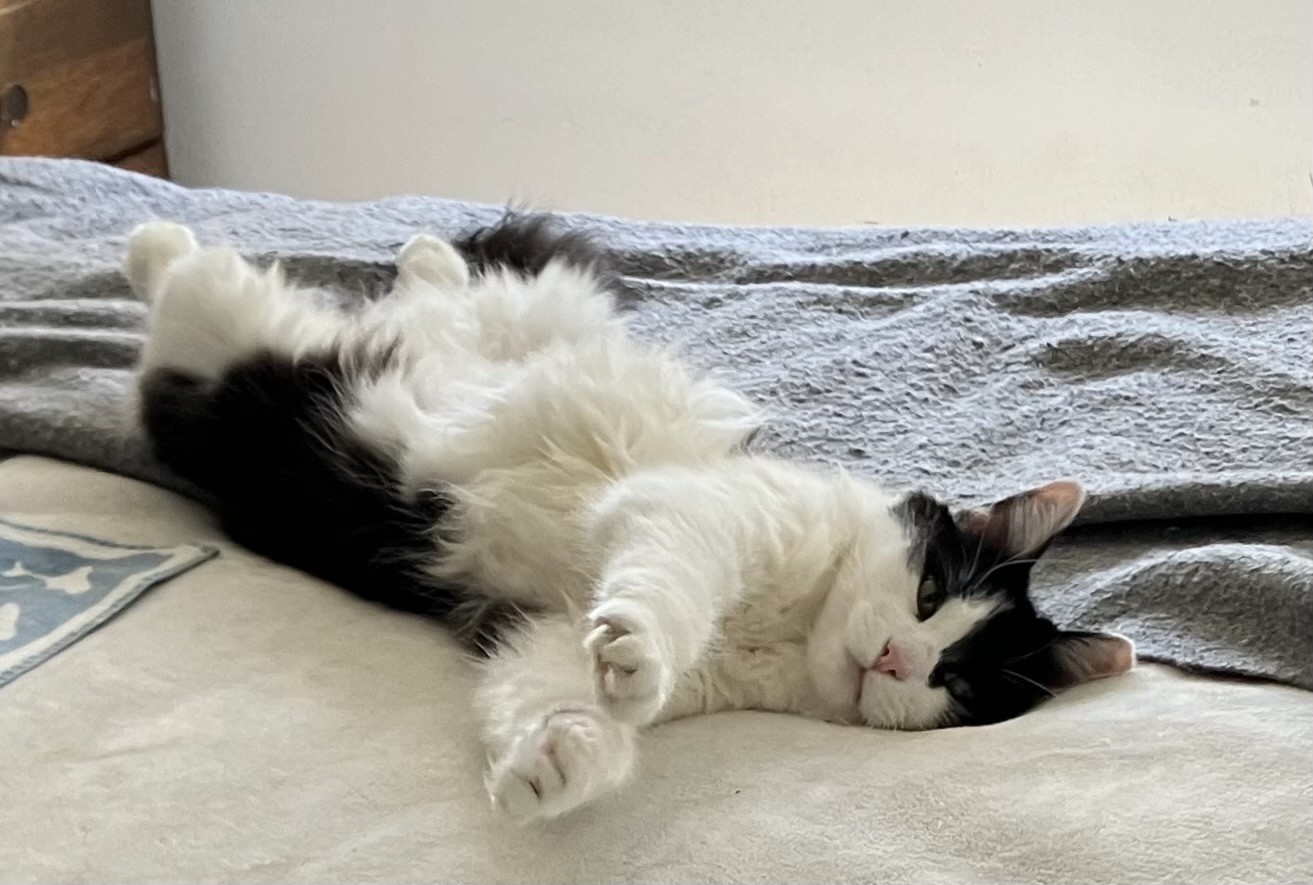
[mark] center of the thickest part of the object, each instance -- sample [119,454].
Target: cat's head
[936,628]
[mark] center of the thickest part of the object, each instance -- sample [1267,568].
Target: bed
[243,722]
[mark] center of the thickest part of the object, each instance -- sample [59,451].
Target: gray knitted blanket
[1168,366]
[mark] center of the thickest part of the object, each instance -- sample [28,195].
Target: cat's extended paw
[433,260]
[559,764]
[634,678]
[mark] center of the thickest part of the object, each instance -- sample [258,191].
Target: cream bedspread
[246,723]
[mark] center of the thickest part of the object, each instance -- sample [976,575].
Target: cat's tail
[152,248]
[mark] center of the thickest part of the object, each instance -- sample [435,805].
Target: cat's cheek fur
[831,666]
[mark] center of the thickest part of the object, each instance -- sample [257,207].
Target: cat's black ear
[1024,524]
[1076,657]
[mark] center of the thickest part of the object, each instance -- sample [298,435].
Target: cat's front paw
[559,764]
[634,678]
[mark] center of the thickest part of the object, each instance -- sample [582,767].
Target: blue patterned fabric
[57,587]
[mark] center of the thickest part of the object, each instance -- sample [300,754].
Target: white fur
[596,479]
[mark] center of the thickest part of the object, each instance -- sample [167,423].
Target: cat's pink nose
[894,661]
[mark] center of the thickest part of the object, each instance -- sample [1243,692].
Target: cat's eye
[929,597]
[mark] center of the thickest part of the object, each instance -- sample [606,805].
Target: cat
[487,445]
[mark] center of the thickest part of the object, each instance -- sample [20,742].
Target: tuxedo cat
[486,444]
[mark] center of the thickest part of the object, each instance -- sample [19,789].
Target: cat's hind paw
[433,260]
[152,247]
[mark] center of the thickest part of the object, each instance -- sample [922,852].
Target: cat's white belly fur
[530,433]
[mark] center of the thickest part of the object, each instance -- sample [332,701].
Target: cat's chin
[887,702]
[838,684]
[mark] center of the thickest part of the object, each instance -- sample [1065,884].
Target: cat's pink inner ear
[1024,523]
[1082,657]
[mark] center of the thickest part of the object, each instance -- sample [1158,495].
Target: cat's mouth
[860,674]
[857,673]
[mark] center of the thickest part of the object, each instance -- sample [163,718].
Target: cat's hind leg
[210,309]
[551,746]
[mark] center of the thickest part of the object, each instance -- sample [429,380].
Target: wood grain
[37,35]
[96,107]
[88,70]
[148,161]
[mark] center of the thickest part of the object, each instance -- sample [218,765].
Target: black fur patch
[291,482]
[527,243]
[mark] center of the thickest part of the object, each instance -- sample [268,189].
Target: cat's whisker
[1015,675]
[975,560]
[1033,652]
[985,577]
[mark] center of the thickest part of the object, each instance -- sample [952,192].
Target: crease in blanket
[1168,366]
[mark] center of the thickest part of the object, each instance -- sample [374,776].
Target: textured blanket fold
[1170,367]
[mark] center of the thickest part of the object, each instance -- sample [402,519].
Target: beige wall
[829,112]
